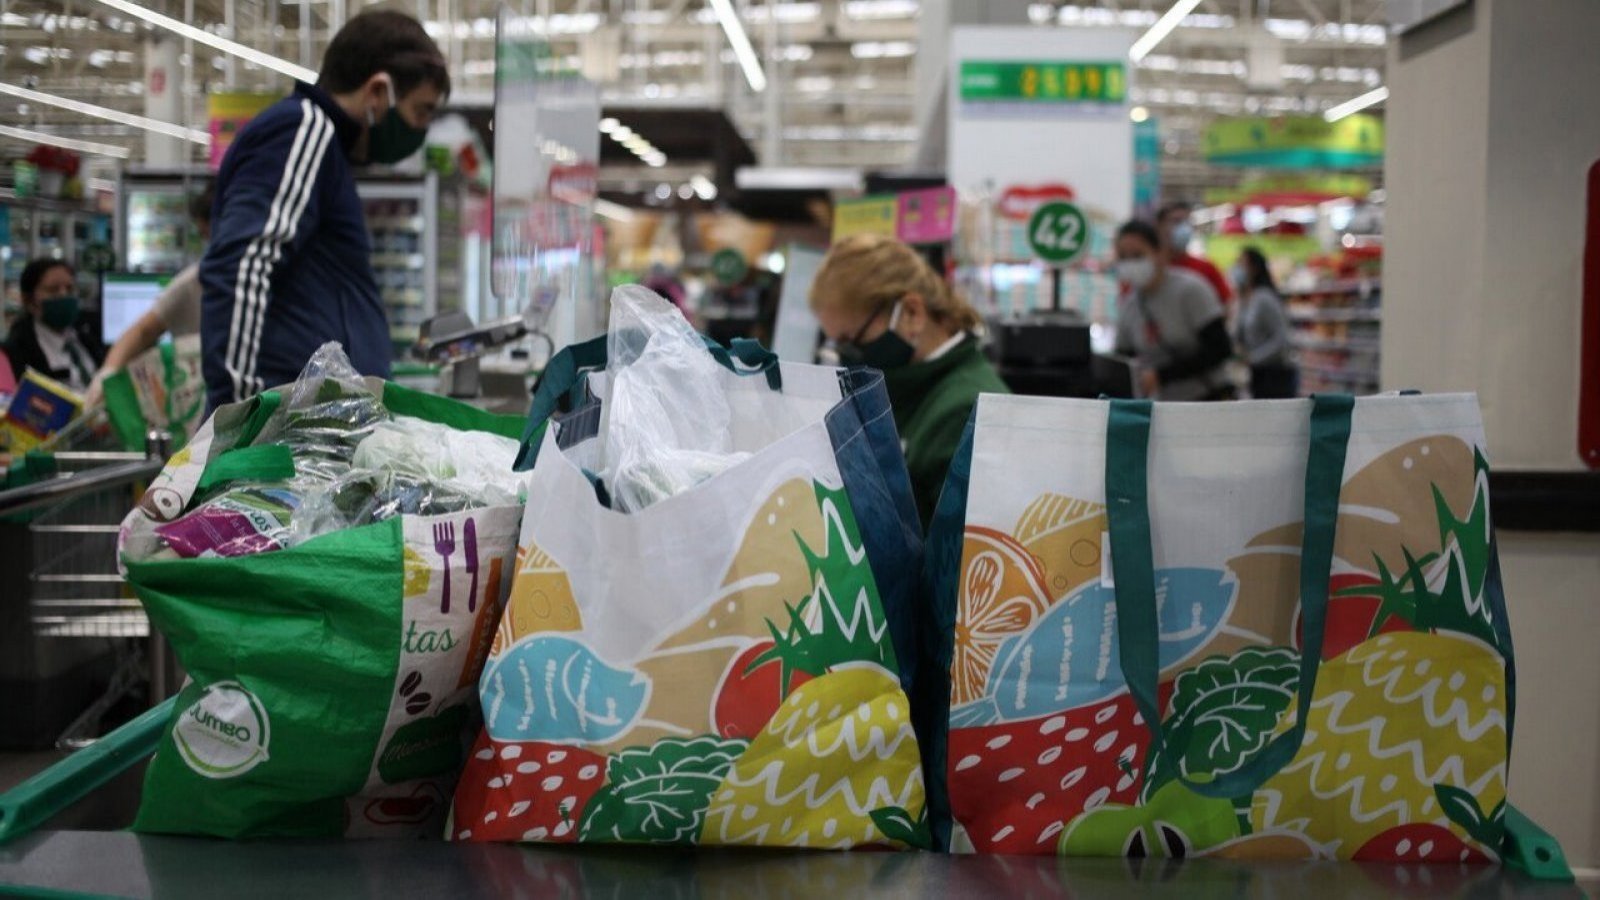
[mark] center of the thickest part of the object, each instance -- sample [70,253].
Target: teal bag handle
[564,377]
[1133,568]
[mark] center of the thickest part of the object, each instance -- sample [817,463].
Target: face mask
[887,351]
[1239,276]
[393,138]
[59,312]
[1136,273]
[1182,233]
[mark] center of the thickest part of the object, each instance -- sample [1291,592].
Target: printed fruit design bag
[721,667]
[1373,724]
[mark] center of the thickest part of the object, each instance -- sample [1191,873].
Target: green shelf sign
[1044,82]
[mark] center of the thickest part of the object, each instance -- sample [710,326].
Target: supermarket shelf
[398,260]
[395,223]
[1352,346]
[1340,287]
[1343,376]
[1334,315]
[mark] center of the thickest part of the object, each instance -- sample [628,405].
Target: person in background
[1170,321]
[1263,330]
[289,265]
[881,305]
[1173,221]
[177,310]
[51,335]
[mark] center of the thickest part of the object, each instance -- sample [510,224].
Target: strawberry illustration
[524,791]
[1419,842]
[750,694]
[1015,785]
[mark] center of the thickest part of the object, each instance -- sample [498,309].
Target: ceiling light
[39,137]
[657,161]
[614,211]
[202,36]
[740,42]
[608,125]
[663,191]
[685,191]
[1139,114]
[621,133]
[1163,27]
[110,115]
[703,187]
[1370,98]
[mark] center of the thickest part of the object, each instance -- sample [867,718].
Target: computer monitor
[124,297]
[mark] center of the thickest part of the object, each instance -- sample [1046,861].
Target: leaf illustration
[659,794]
[1225,710]
[898,825]
[1462,808]
[849,623]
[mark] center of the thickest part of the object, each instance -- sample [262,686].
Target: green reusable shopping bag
[163,389]
[333,682]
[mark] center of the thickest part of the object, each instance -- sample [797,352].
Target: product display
[333,679]
[730,664]
[39,409]
[1108,696]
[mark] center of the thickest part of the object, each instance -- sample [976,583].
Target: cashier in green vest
[881,305]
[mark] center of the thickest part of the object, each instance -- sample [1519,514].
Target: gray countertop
[128,865]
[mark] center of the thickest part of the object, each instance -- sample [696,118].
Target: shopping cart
[68,623]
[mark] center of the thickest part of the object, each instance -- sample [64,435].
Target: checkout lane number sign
[224,733]
[1058,232]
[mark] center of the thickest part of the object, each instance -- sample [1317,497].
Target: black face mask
[887,351]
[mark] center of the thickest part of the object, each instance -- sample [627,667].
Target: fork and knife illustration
[444,543]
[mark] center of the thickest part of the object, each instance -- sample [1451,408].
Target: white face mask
[1136,273]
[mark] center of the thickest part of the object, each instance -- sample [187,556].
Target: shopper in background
[1170,321]
[882,305]
[51,335]
[177,310]
[1173,221]
[289,266]
[1263,330]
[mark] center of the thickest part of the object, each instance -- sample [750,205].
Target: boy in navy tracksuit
[289,264]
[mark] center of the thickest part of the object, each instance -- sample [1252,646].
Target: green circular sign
[728,266]
[1058,232]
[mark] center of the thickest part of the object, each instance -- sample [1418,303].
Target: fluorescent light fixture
[703,187]
[110,115]
[201,36]
[609,125]
[746,54]
[616,212]
[39,137]
[1159,31]
[1357,104]
[621,133]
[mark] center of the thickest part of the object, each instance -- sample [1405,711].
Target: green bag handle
[262,406]
[268,462]
[122,408]
[35,801]
[1133,568]
[564,375]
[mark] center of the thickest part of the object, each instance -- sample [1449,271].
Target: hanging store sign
[927,216]
[228,113]
[1030,86]
[1292,190]
[1296,142]
[866,215]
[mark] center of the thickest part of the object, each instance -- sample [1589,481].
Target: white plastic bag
[666,423]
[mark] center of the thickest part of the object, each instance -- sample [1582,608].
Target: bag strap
[1133,568]
[268,462]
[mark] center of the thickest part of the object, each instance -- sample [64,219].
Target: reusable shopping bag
[161,388]
[1264,629]
[333,682]
[726,666]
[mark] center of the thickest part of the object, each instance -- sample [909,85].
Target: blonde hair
[864,272]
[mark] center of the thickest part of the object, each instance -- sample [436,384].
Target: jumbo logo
[224,733]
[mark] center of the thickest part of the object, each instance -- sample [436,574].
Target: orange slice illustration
[1002,592]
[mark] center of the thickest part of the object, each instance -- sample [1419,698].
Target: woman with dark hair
[50,335]
[1263,330]
[1170,321]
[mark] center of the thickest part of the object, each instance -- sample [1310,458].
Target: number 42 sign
[1058,232]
